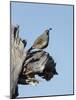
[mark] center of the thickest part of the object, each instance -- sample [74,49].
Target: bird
[42,41]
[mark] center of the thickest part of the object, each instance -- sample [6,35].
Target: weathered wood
[37,63]
[25,65]
[17,57]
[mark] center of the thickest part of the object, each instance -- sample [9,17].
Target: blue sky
[33,19]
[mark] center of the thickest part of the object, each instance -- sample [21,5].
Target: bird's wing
[39,41]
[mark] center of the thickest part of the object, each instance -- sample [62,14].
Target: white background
[5,48]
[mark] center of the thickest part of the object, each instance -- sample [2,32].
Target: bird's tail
[30,49]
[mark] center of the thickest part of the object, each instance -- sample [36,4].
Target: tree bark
[25,65]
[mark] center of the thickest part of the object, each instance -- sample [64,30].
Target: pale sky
[33,19]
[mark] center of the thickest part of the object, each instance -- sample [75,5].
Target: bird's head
[48,31]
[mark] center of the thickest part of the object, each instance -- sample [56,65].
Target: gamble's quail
[42,41]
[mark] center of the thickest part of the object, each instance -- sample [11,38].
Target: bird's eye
[47,32]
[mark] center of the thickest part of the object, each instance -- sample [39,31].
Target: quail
[42,41]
